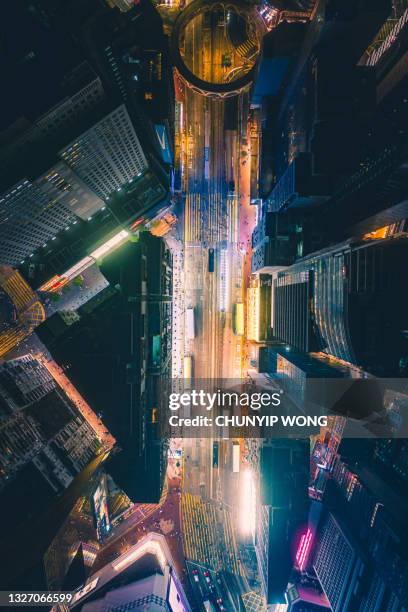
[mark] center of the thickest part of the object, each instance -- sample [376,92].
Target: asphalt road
[218,215]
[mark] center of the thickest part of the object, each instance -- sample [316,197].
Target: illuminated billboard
[100,505]
[303,549]
[162,137]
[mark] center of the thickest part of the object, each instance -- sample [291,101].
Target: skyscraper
[103,177]
[131,53]
[28,143]
[259,308]
[107,156]
[281,511]
[45,442]
[143,577]
[359,549]
[117,352]
[338,566]
[276,239]
[347,301]
[292,370]
[32,213]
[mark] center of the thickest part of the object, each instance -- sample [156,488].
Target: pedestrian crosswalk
[18,290]
[208,537]
[35,314]
[30,311]
[10,338]
[247,49]
[253,602]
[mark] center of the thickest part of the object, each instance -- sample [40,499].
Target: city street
[203,314]
[218,216]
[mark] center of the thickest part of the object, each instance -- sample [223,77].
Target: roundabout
[216,46]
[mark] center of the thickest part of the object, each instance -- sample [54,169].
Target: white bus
[190,323]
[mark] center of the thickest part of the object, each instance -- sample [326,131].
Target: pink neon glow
[303,549]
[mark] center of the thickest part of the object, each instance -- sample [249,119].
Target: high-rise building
[107,156]
[28,221]
[33,213]
[337,565]
[374,196]
[143,577]
[131,53]
[282,510]
[118,355]
[276,240]
[69,183]
[346,85]
[45,442]
[292,370]
[70,225]
[347,301]
[84,92]
[358,550]
[305,598]
[259,308]
[326,93]
[30,143]
[393,453]
[292,304]
[353,578]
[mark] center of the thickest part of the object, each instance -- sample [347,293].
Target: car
[207,577]
[226,61]
[220,604]
[195,575]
